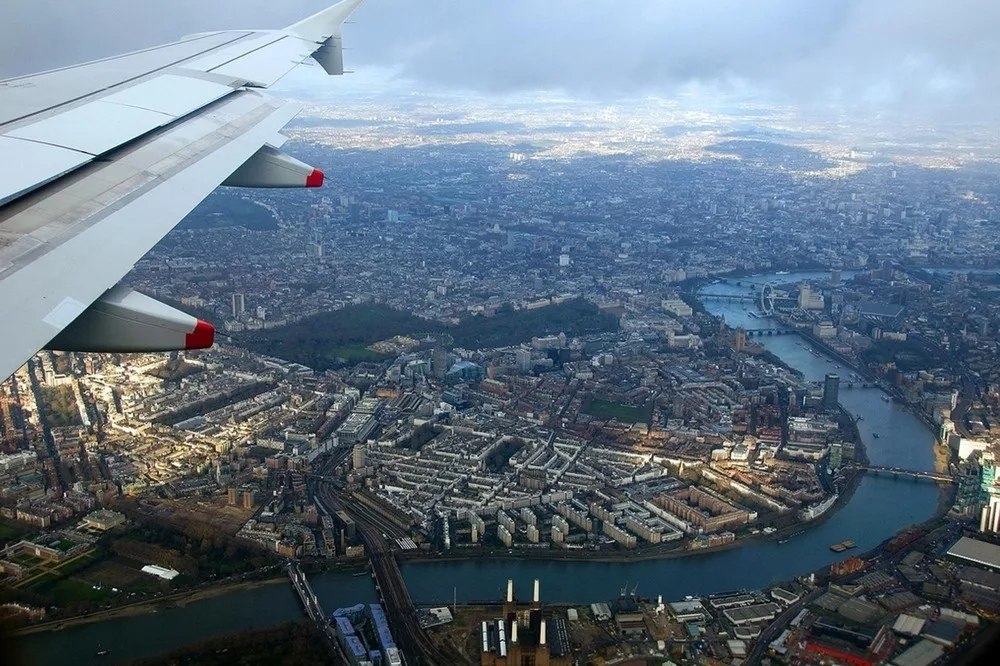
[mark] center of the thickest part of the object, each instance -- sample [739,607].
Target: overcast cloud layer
[919,58]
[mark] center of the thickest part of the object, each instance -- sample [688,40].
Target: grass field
[80,562]
[35,581]
[119,573]
[70,590]
[10,532]
[604,409]
[27,560]
[356,353]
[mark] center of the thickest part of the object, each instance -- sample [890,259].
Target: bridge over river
[899,472]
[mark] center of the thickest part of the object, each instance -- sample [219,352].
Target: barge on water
[842,546]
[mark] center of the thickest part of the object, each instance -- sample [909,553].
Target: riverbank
[182,598]
[641,555]
[148,606]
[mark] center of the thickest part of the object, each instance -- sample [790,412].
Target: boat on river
[793,534]
[842,546]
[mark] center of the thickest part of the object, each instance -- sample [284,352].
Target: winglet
[326,23]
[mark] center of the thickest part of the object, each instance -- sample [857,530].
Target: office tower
[831,390]
[523,360]
[439,363]
[239,304]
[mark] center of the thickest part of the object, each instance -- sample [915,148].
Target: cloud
[921,58]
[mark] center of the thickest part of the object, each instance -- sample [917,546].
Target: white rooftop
[908,624]
[162,572]
[979,552]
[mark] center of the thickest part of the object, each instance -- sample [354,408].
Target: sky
[902,59]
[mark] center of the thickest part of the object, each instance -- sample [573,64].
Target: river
[879,508]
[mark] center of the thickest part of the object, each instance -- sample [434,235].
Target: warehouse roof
[754,613]
[908,624]
[921,654]
[974,550]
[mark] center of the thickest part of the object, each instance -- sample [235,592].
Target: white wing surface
[99,161]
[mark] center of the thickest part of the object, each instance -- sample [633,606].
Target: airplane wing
[99,161]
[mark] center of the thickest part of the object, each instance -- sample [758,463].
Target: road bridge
[899,472]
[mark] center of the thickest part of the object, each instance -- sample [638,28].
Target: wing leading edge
[90,181]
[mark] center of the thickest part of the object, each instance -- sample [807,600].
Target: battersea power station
[524,635]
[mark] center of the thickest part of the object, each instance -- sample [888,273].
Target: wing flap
[27,164]
[265,66]
[111,121]
[95,127]
[39,93]
[171,94]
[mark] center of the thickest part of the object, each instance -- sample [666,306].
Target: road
[43,418]
[779,624]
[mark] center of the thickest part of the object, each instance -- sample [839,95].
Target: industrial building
[976,552]
[525,635]
[752,614]
[688,611]
[923,653]
[356,427]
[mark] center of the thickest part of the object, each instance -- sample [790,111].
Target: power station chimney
[984,518]
[541,633]
[535,597]
[510,590]
[513,631]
